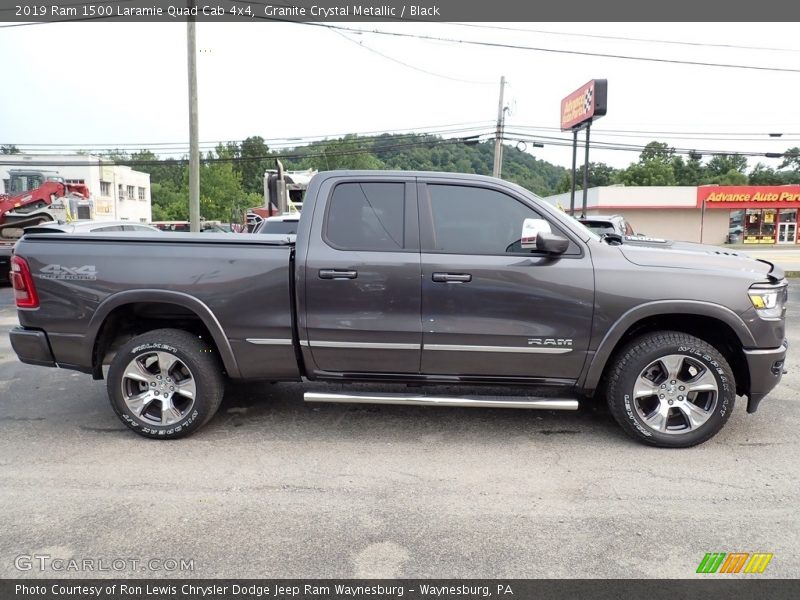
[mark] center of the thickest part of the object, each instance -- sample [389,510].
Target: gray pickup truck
[408,278]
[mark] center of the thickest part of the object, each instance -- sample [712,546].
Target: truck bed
[238,285]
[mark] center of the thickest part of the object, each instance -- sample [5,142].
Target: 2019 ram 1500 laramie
[410,277]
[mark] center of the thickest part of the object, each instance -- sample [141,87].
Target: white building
[714,214]
[119,192]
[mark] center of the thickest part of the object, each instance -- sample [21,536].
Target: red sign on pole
[584,105]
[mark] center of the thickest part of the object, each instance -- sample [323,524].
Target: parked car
[405,277]
[601,224]
[91,226]
[281,224]
[185,226]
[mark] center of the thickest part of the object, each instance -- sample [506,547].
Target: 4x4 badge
[84,273]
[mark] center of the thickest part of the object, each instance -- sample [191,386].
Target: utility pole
[194,137]
[497,169]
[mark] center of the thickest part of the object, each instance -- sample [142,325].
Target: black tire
[192,386]
[665,418]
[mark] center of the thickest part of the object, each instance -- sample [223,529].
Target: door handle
[337,274]
[452,277]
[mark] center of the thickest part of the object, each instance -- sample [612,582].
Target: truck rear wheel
[165,384]
[671,389]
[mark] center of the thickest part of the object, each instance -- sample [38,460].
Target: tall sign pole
[578,110]
[586,171]
[574,166]
[497,169]
[194,137]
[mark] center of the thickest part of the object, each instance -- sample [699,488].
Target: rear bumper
[766,369]
[32,347]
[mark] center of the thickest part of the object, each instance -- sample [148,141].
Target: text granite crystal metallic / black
[409,278]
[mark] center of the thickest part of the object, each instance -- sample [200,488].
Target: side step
[468,401]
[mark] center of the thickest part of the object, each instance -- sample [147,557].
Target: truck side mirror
[551,243]
[531,228]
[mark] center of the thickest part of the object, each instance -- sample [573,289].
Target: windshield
[599,227]
[279,227]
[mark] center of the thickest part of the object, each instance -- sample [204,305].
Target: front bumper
[32,347]
[766,369]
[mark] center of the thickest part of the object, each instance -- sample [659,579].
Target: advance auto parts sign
[585,104]
[749,196]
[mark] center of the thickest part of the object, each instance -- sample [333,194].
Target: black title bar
[260,11]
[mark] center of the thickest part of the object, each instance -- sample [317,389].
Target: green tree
[764,175]
[350,152]
[651,172]
[721,165]
[253,160]
[688,172]
[655,167]
[599,174]
[9,149]
[732,177]
[160,170]
[791,164]
[170,202]
[220,186]
[657,151]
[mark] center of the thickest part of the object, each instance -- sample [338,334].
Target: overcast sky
[115,84]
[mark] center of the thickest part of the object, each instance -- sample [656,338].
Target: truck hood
[651,252]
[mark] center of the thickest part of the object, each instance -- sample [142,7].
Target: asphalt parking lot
[274,487]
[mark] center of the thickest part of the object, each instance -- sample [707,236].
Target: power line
[300,155]
[600,145]
[171,151]
[448,128]
[509,136]
[508,46]
[624,38]
[405,64]
[657,132]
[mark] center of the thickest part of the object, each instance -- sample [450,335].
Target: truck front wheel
[670,389]
[165,384]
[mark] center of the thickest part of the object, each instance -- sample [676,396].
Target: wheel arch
[104,327]
[716,324]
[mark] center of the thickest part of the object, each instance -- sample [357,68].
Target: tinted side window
[367,216]
[109,228]
[471,220]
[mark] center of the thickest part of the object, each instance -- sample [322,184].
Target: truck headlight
[769,300]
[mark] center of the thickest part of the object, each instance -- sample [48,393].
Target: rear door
[362,278]
[489,308]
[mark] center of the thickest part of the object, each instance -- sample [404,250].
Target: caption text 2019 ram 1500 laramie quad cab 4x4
[413,278]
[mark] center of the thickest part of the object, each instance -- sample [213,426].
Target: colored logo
[734,562]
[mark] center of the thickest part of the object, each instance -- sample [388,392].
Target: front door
[362,279]
[787,233]
[489,307]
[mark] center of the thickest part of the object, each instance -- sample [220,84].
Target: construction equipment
[283,193]
[34,197]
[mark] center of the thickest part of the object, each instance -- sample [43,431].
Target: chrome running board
[463,401]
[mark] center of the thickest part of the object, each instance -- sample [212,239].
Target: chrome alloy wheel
[675,394]
[158,388]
